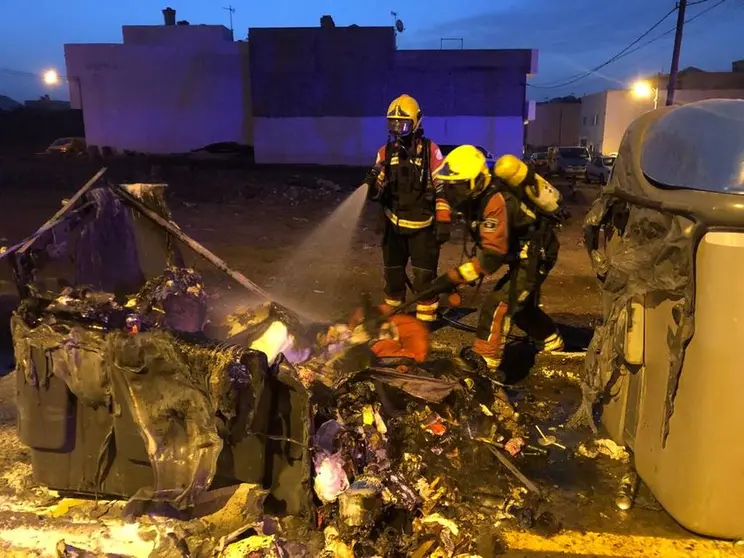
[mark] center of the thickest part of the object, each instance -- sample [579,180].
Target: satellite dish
[399,26]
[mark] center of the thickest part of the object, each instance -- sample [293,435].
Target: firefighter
[513,215]
[417,221]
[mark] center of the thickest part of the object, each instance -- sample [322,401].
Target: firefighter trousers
[420,246]
[496,317]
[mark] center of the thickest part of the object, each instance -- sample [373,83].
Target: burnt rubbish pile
[127,371]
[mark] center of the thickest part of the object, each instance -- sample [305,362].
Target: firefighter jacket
[506,230]
[404,185]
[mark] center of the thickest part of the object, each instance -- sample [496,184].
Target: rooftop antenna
[398,24]
[231,10]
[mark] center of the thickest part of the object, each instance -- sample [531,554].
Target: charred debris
[131,384]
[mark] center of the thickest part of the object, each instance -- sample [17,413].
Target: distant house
[606,115]
[45,103]
[6,103]
[556,123]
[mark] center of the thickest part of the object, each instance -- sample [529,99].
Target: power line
[629,50]
[19,73]
[593,70]
[670,31]
[33,74]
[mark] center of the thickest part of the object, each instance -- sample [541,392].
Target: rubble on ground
[255,434]
[603,446]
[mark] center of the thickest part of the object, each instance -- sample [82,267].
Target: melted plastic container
[689,162]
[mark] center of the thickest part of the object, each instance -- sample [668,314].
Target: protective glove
[374,189]
[455,298]
[563,214]
[444,231]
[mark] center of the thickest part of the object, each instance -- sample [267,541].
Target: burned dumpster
[666,364]
[126,386]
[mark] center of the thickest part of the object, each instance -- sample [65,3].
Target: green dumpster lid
[698,146]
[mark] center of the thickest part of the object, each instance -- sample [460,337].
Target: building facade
[297,95]
[165,89]
[556,123]
[606,115]
[320,95]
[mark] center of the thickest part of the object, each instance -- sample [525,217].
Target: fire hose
[443,314]
[454,322]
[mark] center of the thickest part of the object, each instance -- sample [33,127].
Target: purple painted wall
[166,89]
[356,72]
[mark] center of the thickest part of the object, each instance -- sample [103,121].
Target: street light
[51,77]
[644,90]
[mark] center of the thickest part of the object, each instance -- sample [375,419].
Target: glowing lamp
[51,77]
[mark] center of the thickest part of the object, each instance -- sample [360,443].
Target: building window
[595,119]
[583,121]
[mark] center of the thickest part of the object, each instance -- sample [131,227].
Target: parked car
[599,169]
[490,160]
[539,161]
[568,162]
[67,146]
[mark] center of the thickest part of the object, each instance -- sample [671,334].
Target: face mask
[457,193]
[400,127]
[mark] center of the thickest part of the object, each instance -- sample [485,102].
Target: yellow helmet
[404,116]
[465,165]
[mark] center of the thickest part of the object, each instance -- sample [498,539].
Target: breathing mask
[459,192]
[400,127]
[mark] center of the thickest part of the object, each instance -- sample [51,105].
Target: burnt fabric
[115,271]
[421,248]
[411,340]
[410,337]
[429,389]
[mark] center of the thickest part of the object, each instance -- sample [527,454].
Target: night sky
[573,36]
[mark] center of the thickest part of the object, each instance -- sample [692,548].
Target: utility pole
[231,10]
[681,6]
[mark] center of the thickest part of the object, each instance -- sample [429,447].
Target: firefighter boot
[551,344]
[483,366]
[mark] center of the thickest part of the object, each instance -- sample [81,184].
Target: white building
[165,89]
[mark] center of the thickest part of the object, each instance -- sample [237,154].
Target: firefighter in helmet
[513,214]
[417,220]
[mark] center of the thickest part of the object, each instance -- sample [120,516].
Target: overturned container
[123,389]
[666,362]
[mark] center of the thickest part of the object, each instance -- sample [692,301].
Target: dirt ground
[261,221]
